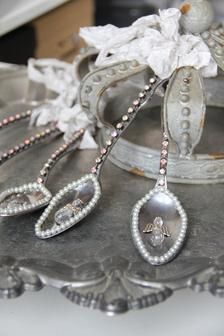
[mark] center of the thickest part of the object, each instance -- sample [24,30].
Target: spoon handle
[162,178]
[14,118]
[59,154]
[126,120]
[27,143]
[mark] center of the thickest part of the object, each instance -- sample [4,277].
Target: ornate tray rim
[18,276]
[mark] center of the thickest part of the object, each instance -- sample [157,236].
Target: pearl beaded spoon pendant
[32,196]
[75,201]
[159,222]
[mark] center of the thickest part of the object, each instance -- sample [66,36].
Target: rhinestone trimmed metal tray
[95,264]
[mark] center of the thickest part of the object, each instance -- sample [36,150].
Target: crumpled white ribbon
[153,40]
[65,110]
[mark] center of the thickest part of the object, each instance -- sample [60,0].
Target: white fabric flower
[153,40]
[64,110]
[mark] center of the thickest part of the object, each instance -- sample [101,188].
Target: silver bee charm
[158,231]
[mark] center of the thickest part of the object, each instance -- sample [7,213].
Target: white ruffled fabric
[65,110]
[154,40]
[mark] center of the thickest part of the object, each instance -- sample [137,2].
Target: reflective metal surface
[96,264]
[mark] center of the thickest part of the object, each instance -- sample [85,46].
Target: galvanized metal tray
[95,264]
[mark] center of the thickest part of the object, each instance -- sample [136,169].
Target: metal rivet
[185,124]
[185,136]
[186,111]
[185,98]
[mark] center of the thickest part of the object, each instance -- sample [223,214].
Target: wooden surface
[57,31]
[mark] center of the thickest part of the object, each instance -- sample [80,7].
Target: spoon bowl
[79,198]
[159,225]
[69,206]
[35,195]
[24,199]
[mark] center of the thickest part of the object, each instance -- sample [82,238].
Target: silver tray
[95,264]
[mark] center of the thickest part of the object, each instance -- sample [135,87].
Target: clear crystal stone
[157,237]
[63,215]
[15,200]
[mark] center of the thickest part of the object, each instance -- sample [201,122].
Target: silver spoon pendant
[159,222]
[79,198]
[23,199]
[69,206]
[159,225]
[33,196]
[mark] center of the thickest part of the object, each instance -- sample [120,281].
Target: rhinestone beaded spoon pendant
[30,197]
[80,197]
[159,222]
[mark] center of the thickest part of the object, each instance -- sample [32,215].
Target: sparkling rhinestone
[141,95]
[162,182]
[162,171]
[130,110]
[43,172]
[147,88]
[164,152]
[125,118]
[103,151]
[120,126]
[114,134]
[165,143]
[40,180]
[63,215]
[163,162]
[94,170]
[136,102]
[108,142]
[98,160]
[152,80]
